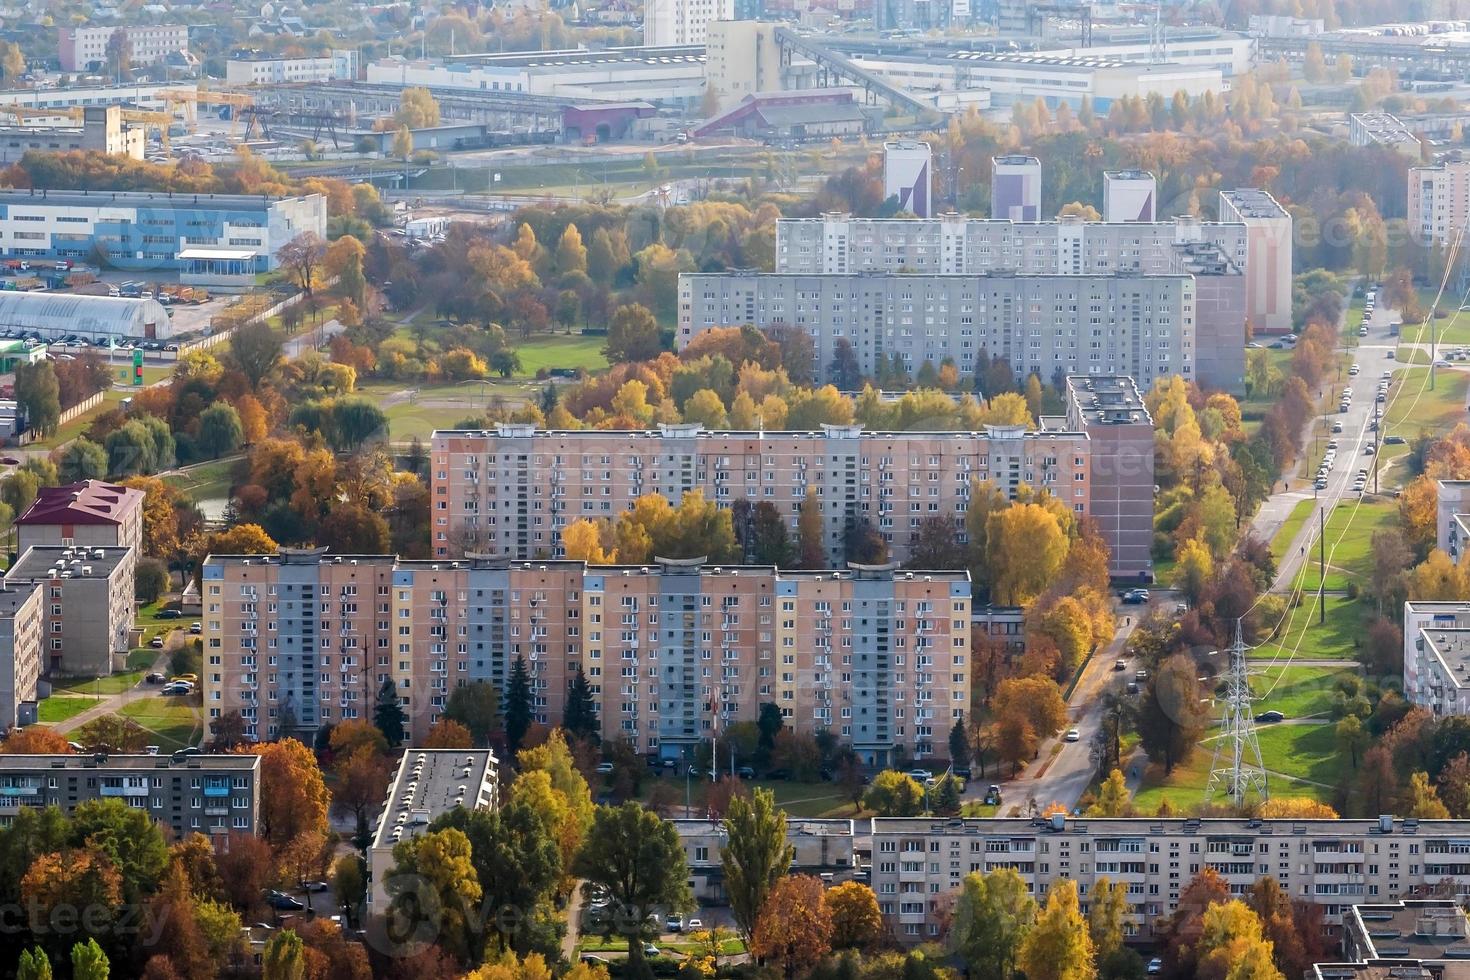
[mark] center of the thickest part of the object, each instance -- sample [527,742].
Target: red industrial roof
[88,502]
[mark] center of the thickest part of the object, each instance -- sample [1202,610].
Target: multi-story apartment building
[1268,269]
[87,605]
[1439,201]
[823,847]
[673,651]
[428,784]
[1452,507]
[1112,413]
[1417,939]
[20,655]
[85,48]
[512,489]
[1139,325]
[1441,655]
[89,514]
[210,238]
[214,795]
[1422,616]
[667,22]
[1015,188]
[1130,195]
[1332,863]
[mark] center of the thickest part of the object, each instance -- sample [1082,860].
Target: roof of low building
[64,561]
[88,502]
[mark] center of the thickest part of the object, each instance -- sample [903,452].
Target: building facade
[1049,325]
[1439,202]
[1130,195]
[673,651]
[428,784]
[823,848]
[1421,617]
[89,514]
[907,175]
[1111,412]
[208,238]
[102,130]
[1015,188]
[513,489]
[214,795]
[87,605]
[918,862]
[668,22]
[338,65]
[85,48]
[1268,269]
[20,656]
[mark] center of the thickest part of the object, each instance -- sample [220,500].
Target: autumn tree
[446,734]
[993,913]
[1058,946]
[1172,715]
[857,922]
[894,794]
[1424,802]
[632,334]
[434,872]
[1107,908]
[756,855]
[302,256]
[1232,944]
[417,109]
[293,796]
[794,928]
[1026,546]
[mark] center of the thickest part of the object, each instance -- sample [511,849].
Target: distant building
[1130,195]
[85,48]
[102,131]
[908,175]
[1268,270]
[87,605]
[214,795]
[668,22]
[668,75]
[823,848]
[57,315]
[742,58]
[789,115]
[1383,129]
[1277,25]
[20,658]
[1015,188]
[1439,202]
[335,66]
[89,514]
[429,783]
[1111,411]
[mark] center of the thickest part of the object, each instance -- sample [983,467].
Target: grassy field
[418,410]
[1415,407]
[560,351]
[1292,526]
[58,708]
[1185,786]
[175,722]
[1304,752]
[1301,637]
[1298,692]
[206,481]
[1349,543]
[1253,409]
[1452,330]
[111,684]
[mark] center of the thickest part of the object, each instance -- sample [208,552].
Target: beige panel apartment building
[674,651]
[1333,863]
[20,655]
[87,606]
[512,490]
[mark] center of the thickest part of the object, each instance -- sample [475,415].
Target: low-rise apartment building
[674,651]
[20,656]
[88,514]
[1417,939]
[214,795]
[336,65]
[822,847]
[428,784]
[1335,864]
[87,605]
[1144,326]
[512,489]
[1424,618]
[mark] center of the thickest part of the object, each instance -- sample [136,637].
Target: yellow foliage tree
[1026,546]
[582,540]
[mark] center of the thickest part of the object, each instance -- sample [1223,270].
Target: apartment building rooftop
[1252,202]
[686,431]
[11,600]
[1417,930]
[1451,647]
[1015,160]
[1395,969]
[1107,399]
[88,502]
[1150,826]
[431,783]
[64,561]
[150,199]
[139,761]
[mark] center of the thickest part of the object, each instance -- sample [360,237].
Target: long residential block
[511,490]
[1145,326]
[87,606]
[674,651]
[1336,864]
[214,795]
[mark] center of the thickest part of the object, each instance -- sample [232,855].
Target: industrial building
[214,795]
[670,75]
[87,608]
[665,674]
[673,22]
[1334,864]
[337,65]
[809,114]
[1382,129]
[219,240]
[428,784]
[1145,326]
[102,130]
[58,315]
[908,175]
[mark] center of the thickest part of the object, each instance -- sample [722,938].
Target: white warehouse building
[57,315]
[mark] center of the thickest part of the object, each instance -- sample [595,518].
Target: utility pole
[1243,771]
[1321,565]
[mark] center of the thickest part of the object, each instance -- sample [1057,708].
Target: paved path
[111,705]
[574,923]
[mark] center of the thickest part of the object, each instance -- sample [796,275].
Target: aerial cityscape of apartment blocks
[674,651]
[1334,864]
[1049,325]
[512,489]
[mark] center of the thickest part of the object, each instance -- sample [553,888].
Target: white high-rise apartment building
[1439,201]
[673,22]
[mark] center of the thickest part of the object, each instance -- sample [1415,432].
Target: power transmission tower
[1237,768]
[1156,47]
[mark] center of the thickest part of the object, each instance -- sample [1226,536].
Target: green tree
[1058,946]
[632,334]
[992,915]
[81,459]
[126,835]
[150,580]
[433,876]
[284,957]
[517,705]
[959,744]
[638,859]
[88,962]
[476,706]
[1352,738]
[220,431]
[356,421]
[388,713]
[1106,909]
[1113,799]
[255,349]
[349,883]
[580,718]
[894,794]
[34,965]
[756,855]
[39,393]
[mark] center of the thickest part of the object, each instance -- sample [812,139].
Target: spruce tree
[388,713]
[517,705]
[581,714]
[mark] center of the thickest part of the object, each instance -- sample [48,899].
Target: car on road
[604,768]
[1368,450]
[1388,354]
[1321,483]
[1332,445]
[157,642]
[1140,675]
[1135,597]
[1155,966]
[745,772]
[1336,426]
[649,949]
[176,689]
[1353,371]
[154,678]
[674,923]
[1441,362]
[9,460]
[1073,735]
[1270,717]
[1120,665]
[318,886]
[169,614]
[282,902]
[694,925]
[920,775]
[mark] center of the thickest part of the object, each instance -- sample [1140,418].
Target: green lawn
[1291,526]
[1298,691]
[1452,330]
[172,719]
[1185,786]
[57,709]
[1414,407]
[1300,632]
[112,684]
[1349,541]
[1305,752]
[206,481]
[560,351]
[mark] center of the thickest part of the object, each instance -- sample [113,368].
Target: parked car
[177,689]
[604,768]
[154,678]
[1270,717]
[157,642]
[1155,966]
[1393,440]
[694,925]
[745,772]
[196,628]
[1120,665]
[282,902]
[169,614]
[674,923]
[920,775]
[318,886]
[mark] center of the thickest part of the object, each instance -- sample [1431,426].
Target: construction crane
[192,100]
[76,114]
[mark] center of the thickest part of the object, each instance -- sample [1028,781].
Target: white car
[693,925]
[1073,735]
[604,768]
